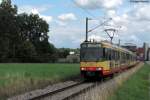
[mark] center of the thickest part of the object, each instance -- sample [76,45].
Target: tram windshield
[91,54]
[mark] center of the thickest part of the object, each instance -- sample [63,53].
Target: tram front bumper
[91,71]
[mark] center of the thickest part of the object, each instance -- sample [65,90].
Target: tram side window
[105,53]
[109,54]
[125,56]
[112,55]
[128,57]
[122,56]
[116,55]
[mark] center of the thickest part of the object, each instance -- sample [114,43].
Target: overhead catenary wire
[100,25]
[86,11]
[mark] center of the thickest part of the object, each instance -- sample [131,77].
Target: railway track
[60,91]
[69,93]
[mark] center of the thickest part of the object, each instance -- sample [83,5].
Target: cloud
[0,1]
[64,19]
[47,18]
[111,3]
[67,17]
[134,24]
[96,4]
[67,36]
[96,37]
[89,4]
[61,23]
[29,8]
[141,13]
[36,10]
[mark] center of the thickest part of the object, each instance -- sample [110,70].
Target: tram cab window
[91,54]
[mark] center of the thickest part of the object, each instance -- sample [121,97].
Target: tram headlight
[83,68]
[99,69]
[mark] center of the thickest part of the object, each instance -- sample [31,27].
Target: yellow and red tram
[100,59]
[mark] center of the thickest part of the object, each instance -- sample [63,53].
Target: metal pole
[86,40]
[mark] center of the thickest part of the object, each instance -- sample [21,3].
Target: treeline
[24,37]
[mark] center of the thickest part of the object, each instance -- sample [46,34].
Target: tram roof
[112,46]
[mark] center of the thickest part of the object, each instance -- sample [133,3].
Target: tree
[63,52]
[35,30]
[8,30]
[26,52]
[23,37]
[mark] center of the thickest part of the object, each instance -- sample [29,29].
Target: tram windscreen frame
[91,53]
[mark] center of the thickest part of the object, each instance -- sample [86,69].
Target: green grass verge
[17,78]
[136,87]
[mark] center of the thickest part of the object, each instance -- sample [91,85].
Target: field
[17,78]
[136,88]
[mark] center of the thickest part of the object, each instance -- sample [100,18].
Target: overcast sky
[67,19]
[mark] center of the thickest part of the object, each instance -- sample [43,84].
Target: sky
[66,20]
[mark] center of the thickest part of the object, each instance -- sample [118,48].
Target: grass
[18,78]
[136,87]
